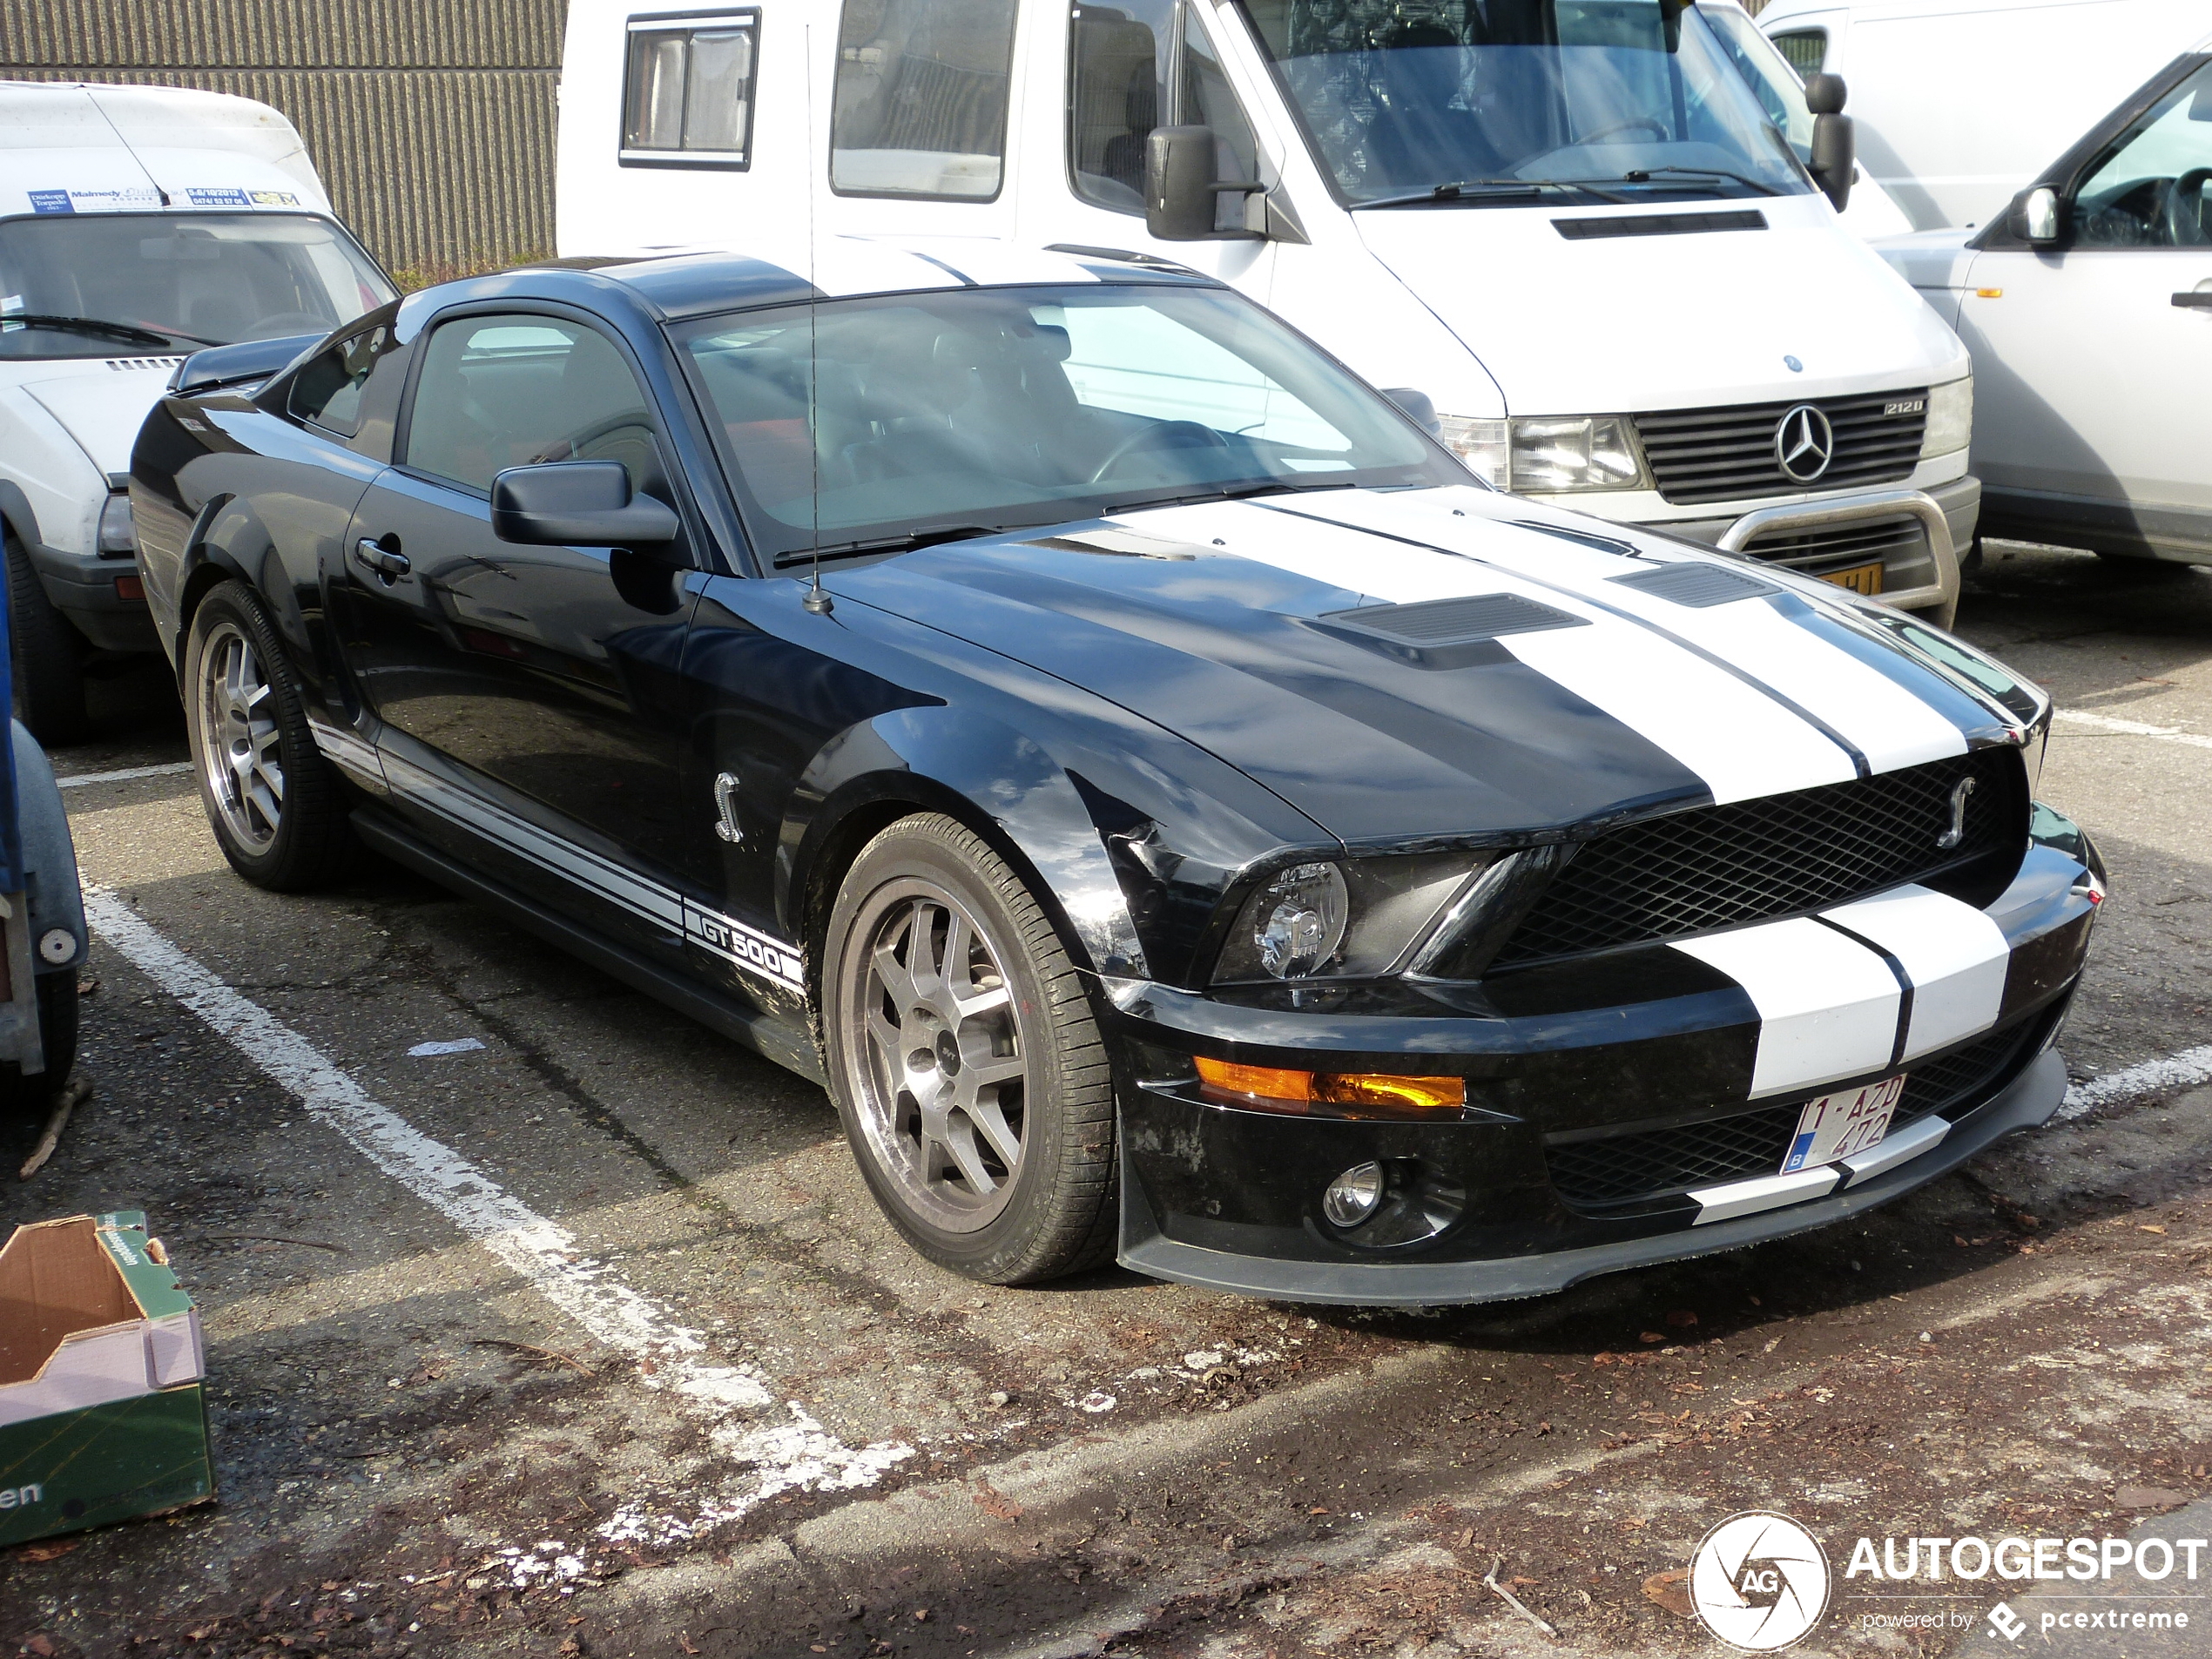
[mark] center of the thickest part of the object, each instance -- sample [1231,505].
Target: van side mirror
[1825,94]
[2035,217]
[1180,185]
[1834,157]
[578,504]
[1412,401]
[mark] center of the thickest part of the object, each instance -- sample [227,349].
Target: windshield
[1601,100]
[997,408]
[126,285]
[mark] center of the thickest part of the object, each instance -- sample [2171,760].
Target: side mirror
[1834,159]
[2035,217]
[1180,185]
[1825,94]
[578,504]
[1418,404]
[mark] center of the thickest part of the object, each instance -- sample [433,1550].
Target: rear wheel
[278,808]
[964,1061]
[48,658]
[57,1035]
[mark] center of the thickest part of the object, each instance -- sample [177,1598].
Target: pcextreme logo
[1759,1582]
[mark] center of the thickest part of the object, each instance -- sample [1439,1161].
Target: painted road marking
[2134,728]
[798,1453]
[168,768]
[2170,1073]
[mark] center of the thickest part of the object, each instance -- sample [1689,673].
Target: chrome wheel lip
[242,757]
[942,1094]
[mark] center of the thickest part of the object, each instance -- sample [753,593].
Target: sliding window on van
[687,90]
[921,97]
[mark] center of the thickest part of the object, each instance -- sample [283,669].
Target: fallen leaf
[2147,1229]
[1681,1318]
[39,1645]
[996,1504]
[922,1616]
[1652,1336]
[1666,1590]
[46,1552]
[2159,1498]
[684,1640]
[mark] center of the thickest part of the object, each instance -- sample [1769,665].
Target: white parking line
[124,774]
[782,1456]
[2165,1076]
[2134,728]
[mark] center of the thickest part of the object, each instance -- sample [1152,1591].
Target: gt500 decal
[746,946]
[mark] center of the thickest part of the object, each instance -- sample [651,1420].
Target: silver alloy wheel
[935,1054]
[240,760]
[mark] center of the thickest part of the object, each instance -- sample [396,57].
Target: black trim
[1586,230]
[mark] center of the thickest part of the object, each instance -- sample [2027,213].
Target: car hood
[103,402]
[1617,324]
[1566,689]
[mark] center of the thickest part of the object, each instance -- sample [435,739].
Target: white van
[1960,103]
[136,225]
[1566,225]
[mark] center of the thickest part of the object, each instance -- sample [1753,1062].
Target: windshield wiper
[94,325]
[905,543]
[1642,175]
[1489,190]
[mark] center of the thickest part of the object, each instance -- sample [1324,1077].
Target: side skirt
[762,1032]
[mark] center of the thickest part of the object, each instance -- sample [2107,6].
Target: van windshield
[1478,102]
[124,285]
[869,422]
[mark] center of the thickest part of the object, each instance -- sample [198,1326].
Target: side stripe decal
[1954,956]
[1828,1006]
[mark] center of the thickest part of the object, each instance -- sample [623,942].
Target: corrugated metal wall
[430,120]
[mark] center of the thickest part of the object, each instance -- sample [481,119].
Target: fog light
[1352,1197]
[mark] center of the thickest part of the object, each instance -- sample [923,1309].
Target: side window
[1136,66]
[687,90]
[328,392]
[920,101]
[1806,48]
[513,390]
[2151,192]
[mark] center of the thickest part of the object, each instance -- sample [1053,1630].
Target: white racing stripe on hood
[1870,711]
[1741,743]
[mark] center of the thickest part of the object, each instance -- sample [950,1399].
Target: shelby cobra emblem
[1804,443]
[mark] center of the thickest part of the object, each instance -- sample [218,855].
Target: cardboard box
[103,1413]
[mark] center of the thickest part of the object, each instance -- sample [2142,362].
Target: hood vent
[1698,585]
[1588,230]
[1446,633]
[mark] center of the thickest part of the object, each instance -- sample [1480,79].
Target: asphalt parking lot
[543,1322]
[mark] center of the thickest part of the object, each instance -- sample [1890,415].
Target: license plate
[1860,578]
[1835,1126]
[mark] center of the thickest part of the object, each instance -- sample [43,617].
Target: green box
[103,1406]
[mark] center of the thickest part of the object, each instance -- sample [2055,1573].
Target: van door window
[1806,48]
[922,97]
[1139,65]
[2152,192]
[687,97]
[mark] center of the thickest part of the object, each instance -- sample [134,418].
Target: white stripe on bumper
[1828,1006]
[1955,956]
[1893,1150]
[1767,1192]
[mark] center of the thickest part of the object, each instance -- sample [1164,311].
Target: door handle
[2194,300]
[388,565]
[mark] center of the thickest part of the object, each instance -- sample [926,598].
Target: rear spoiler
[249,359]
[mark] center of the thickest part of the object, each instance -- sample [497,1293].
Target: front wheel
[277,806]
[964,1061]
[47,657]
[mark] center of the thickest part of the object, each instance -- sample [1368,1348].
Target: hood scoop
[1695,586]
[1446,633]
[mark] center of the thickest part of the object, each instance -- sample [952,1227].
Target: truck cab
[1565,228]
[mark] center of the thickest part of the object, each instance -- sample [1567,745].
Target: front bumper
[82,587]
[1647,1051]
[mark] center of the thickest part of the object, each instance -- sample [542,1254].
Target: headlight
[1951,418]
[115,525]
[1548,454]
[1355,919]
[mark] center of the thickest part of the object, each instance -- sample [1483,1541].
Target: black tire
[293,838]
[57,1034]
[1055,1209]
[48,658]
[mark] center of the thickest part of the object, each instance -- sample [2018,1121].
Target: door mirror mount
[2036,218]
[579,504]
[1181,184]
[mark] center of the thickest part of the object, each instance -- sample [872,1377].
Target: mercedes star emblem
[1804,443]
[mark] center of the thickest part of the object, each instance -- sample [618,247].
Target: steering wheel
[627,419]
[1656,128]
[1175,433]
[2185,209]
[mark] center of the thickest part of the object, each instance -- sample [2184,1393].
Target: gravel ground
[587,1339]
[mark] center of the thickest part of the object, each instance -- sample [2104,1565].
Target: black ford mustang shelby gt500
[1188,819]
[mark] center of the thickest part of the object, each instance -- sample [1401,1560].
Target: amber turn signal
[1334,1093]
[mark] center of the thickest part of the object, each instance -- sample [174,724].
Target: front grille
[1903,539]
[1621,1168]
[1728,454]
[1750,860]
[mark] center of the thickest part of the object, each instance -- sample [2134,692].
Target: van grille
[1728,454]
[1900,540]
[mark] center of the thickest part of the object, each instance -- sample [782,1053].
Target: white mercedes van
[1566,225]
[136,225]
